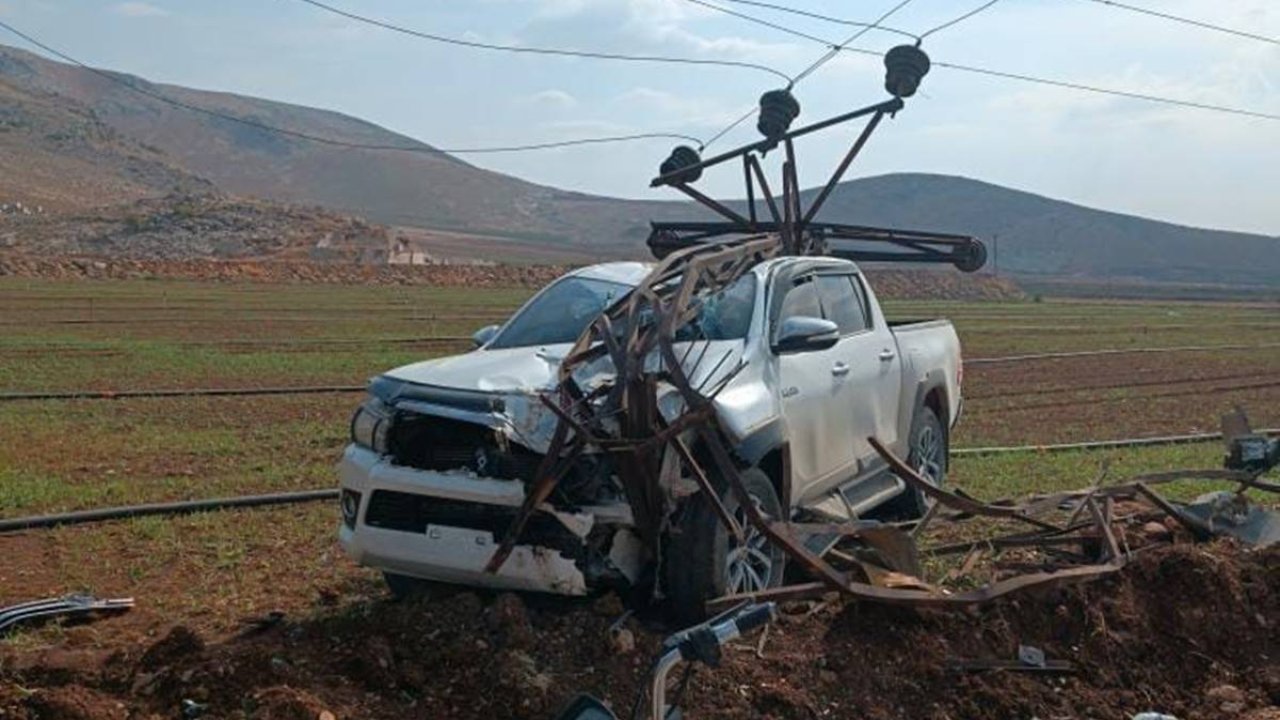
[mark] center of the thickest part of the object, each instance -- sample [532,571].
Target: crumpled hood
[534,369]
[520,369]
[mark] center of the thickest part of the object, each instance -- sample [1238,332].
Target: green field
[120,336]
[131,335]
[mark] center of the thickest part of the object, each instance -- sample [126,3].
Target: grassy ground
[211,569]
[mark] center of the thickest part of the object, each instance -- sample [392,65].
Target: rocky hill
[60,155]
[193,226]
[79,141]
[1041,236]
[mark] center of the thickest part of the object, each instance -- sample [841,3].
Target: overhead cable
[561,52]
[1188,21]
[422,148]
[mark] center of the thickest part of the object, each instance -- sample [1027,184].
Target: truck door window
[801,301]
[840,303]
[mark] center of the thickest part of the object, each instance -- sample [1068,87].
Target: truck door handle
[840,368]
[886,355]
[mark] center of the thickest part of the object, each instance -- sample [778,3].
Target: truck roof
[627,273]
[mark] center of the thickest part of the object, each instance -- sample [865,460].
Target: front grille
[407,512]
[435,443]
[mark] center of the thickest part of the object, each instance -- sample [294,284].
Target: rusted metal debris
[1092,531]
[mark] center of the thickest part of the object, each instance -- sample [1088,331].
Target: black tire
[404,587]
[696,564]
[929,456]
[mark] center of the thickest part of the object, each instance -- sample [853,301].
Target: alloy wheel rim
[928,452]
[749,565]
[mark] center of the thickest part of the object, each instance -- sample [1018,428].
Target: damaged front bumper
[444,526]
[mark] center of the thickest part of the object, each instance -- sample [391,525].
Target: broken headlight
[371,425]
[350,504]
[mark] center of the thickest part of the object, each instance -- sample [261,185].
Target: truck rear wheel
[928,456]
[702,559]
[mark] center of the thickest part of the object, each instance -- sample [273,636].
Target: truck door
[870,395]
[809,384]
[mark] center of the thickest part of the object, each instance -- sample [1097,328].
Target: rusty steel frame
[619,417]
[800,231]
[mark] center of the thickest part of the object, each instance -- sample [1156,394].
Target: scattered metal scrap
[1031,659]
[1090,542]
[76,607]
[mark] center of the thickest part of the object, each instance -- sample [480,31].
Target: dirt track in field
[1086,398]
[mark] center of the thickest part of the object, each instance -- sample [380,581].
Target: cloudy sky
[1189,166]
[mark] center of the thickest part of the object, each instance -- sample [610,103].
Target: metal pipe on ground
[184,507]
[179,392]
[1102,444]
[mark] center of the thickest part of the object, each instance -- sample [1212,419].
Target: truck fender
[933,380]
[766,447]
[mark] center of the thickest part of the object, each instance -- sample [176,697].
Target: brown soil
[1188,630]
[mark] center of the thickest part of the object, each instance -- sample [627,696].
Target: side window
[842,305]
[801,301]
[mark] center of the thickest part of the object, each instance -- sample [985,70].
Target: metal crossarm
[797,226]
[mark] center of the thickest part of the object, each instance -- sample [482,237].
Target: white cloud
[554,98]
[588,127]
[659,108]
[138,9]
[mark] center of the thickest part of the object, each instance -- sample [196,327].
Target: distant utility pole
[995,254]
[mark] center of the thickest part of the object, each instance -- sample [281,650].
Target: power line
[959,20]
[820,16]
[1188,21]
[835,50]
[421,148]
[834,47]
[1054,83]
[759,21]
[728,128]
[542,50]
[1105,91]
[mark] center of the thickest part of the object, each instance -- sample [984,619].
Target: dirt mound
[179,643]
[74,703]
[285,703]
[1188,630]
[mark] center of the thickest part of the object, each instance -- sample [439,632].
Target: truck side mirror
[803,334]
[484,335]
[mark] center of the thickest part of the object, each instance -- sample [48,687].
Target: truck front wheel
[928,456]
[703,560]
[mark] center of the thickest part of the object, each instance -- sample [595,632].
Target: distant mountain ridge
[73,140]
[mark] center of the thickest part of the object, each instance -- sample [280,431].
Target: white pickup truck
[442,450]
